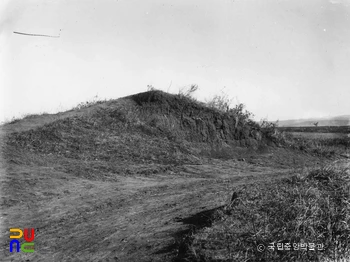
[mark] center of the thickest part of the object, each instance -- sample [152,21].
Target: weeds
[220,102]
[328,148]
[188,92]
[24,116]
[223,103]
[95,100]
[311,210]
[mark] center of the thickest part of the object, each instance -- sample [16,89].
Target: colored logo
[27,246]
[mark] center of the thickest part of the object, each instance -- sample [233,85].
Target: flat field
[319,129]
[316,135]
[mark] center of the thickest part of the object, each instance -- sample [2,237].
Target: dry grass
[318,144]
[313,135]
[319,129]
[307,208]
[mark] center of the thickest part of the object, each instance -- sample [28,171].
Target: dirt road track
[129,218]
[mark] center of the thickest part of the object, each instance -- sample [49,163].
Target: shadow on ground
[182,238]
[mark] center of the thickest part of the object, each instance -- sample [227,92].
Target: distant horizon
[322,117]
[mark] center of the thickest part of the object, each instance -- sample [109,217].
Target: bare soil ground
[124,218]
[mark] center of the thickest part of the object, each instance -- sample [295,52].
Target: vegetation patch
[324,147]
[317,129]
[309,214]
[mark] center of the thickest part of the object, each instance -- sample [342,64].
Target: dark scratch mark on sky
[19,33]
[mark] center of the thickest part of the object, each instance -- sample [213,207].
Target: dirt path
[129,218]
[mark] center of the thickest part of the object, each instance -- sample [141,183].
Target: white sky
[283,59]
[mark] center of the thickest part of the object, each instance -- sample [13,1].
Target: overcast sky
[283,59]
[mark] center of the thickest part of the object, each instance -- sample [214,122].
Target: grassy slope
[312,207]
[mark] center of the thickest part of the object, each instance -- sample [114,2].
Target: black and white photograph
[174,130]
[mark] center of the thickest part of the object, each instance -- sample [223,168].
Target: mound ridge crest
[145,126]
